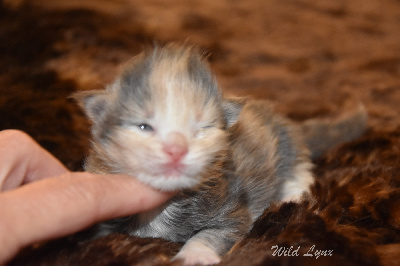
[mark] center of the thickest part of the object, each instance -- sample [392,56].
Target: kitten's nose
[176,146]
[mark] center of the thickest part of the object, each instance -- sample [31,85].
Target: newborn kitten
[164,122]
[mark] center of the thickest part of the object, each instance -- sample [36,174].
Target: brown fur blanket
[312,58]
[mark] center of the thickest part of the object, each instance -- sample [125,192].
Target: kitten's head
[163,120]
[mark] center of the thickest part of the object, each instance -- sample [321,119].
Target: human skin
[40,199]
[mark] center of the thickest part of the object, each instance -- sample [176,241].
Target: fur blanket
[312,58]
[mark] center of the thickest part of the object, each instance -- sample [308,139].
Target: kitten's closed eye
[203,130]
[208,126]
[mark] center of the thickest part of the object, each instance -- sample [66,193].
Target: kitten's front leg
[204,248]
[195,252]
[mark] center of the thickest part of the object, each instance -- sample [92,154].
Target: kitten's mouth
[172,170]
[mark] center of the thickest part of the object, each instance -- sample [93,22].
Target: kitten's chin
[169,182]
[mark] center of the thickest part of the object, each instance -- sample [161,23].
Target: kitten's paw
[196,253]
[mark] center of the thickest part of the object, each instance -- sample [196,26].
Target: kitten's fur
[165,122]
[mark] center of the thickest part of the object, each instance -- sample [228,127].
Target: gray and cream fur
[165,122]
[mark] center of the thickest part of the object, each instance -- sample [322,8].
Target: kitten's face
[162,124]
[168,150]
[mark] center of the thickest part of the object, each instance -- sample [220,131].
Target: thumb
[55,207]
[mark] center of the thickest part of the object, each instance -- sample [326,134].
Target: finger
[22,160]
[56,207]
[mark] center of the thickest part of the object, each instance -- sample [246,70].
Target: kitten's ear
[94,103]
[232,108]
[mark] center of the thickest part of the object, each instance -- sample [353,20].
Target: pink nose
[175,146]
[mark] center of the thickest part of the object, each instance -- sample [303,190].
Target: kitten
[165,122]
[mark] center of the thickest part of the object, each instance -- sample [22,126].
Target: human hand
[54,207]
[22,160]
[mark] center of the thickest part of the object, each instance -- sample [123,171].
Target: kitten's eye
[203,130]
[145,127]
[208,127]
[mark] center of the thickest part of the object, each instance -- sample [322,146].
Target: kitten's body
[164,122]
